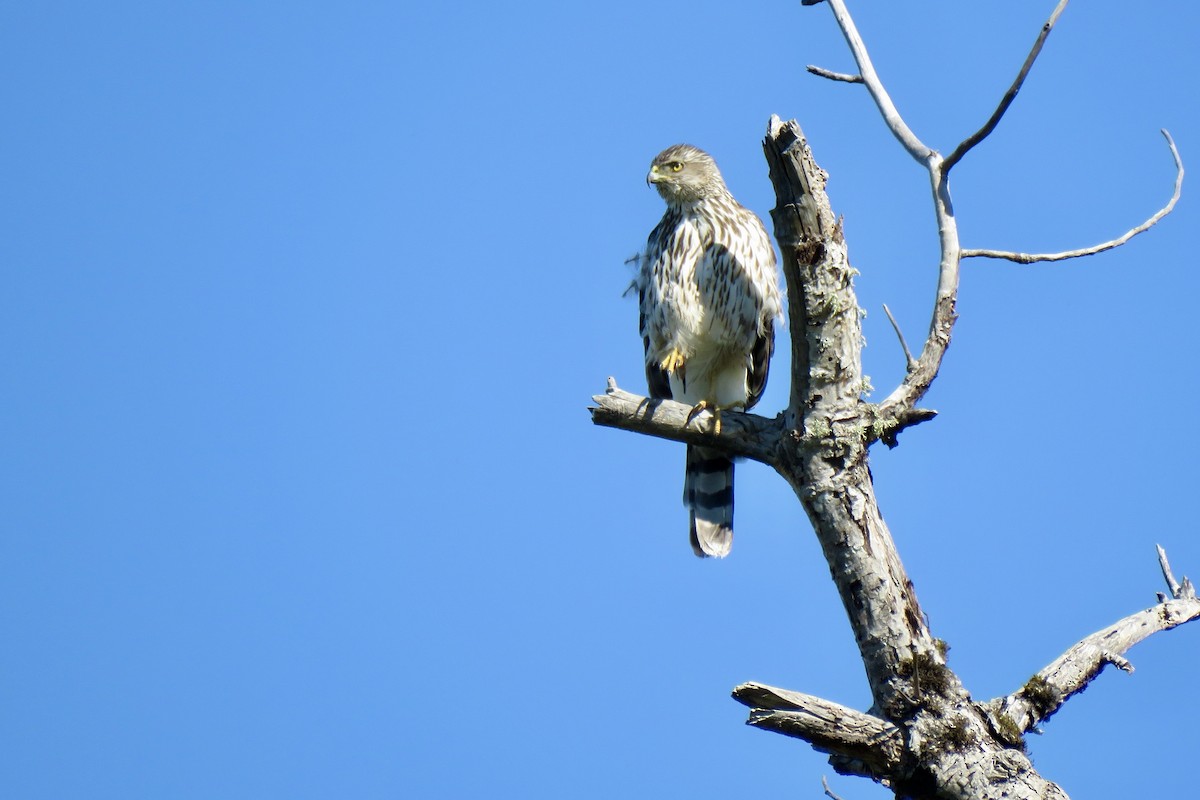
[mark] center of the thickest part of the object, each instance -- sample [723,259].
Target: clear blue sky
[303,304]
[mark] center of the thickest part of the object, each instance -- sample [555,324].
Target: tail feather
[708,495]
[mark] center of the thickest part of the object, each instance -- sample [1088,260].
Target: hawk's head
[684,174]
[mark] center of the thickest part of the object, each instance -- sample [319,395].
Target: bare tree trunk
[924,736]
[946,746]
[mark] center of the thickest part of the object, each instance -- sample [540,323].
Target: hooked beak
[654,176]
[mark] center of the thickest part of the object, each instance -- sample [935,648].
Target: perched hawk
[708,295]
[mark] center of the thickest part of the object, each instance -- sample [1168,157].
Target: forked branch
[924,735]
[898,405]
[922,371]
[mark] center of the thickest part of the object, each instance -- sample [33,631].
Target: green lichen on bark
[928,675]
[1044,697]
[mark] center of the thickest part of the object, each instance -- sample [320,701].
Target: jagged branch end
[1047,690]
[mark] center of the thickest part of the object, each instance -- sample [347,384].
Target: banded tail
[708,495]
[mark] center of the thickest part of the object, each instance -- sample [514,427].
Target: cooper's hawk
[708,294]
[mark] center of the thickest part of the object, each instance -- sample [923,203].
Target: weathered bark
[947,747]
[861,744]
[829,426]
[1070,673]
[747,435]
[923,736]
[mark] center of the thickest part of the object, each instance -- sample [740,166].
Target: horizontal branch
[887,428]
[821,72]
[1030,258]
[747,435]
[1071,672]
[829,727]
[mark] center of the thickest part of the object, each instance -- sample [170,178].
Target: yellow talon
[673,361]
[704,406]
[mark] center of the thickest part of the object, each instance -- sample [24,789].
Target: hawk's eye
[676,166]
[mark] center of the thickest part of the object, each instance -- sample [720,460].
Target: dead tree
[924,736]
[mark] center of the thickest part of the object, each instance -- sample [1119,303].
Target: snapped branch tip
[1182,589]
[821,72]
[1118,661]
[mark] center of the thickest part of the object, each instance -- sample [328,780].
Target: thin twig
[828,792]
[834,76]
[1009,96]
[1029,258]
[908,357]
[1183,589]
[1169,576]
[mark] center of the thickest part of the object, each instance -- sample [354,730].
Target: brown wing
[656,377]
[657,381]
[760,363]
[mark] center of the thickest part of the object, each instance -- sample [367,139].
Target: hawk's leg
[673,363]
[704,405]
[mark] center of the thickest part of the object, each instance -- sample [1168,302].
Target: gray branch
[1009,96]
[1029,258]
[909,361]
[747,435]
[897,406]
[924,737]
[883,100]
[829,426]
[821,72]
[828,792]
[1179,591]
[1070,673]
[874,744]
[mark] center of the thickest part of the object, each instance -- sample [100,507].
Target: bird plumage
[708,295]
